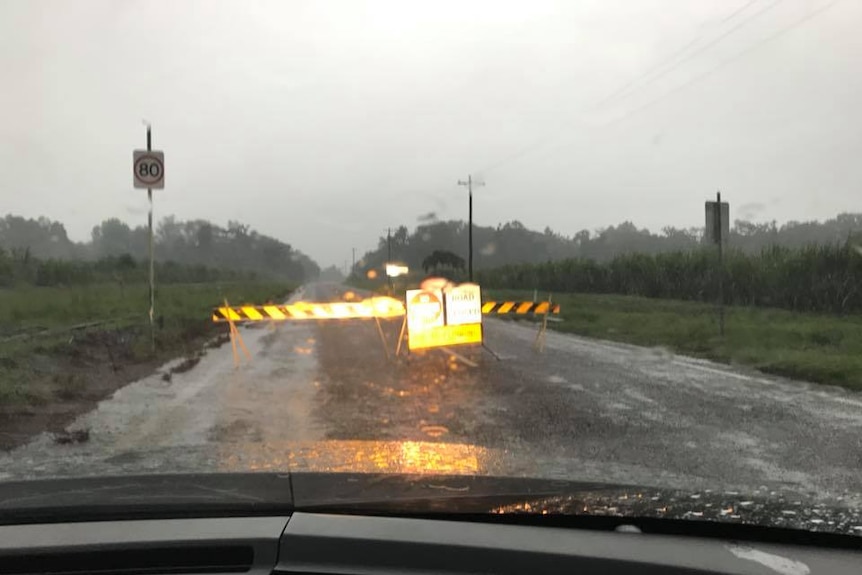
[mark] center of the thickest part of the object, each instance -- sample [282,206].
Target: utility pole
[389,257]
[353,265]
[469,183]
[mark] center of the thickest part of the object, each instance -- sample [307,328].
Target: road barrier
[433,318]
[371,308]
[519,307]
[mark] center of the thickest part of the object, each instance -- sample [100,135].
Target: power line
[545,140]
[694,41]
[697,79]
[710,44]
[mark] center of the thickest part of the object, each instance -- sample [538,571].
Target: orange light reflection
[382,307]
[358,456]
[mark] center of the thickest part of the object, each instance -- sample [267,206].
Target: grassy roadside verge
[42,362]
[814,347]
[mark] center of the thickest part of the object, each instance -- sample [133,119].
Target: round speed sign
[149,169]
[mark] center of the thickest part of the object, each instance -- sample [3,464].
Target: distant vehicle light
[394,270]
[371,274]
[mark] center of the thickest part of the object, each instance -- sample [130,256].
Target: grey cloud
[309,119]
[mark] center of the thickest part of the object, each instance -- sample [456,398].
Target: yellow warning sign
[445,335]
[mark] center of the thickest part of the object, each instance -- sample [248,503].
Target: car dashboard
[307,543]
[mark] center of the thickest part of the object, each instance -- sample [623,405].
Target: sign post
[718,231]
[148,171]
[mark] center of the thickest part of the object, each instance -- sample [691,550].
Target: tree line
[191,245]
[802,266]
[815,278]
[19,268]
[513,243]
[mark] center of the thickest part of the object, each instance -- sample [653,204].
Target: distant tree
[112,237]
[400,236]
[443,259]
[205,237]
[196,244]
[331,274]
[43,237]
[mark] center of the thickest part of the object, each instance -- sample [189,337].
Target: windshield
[611,243]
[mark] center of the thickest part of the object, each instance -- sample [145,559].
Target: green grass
[48,307]
[813,347]
[183,313]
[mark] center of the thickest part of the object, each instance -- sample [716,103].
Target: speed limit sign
[149,169]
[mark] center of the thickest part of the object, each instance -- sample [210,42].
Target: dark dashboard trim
[647,525]
[320,543]
[330,543]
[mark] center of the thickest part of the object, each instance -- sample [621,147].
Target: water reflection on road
[325,397]
[362,456]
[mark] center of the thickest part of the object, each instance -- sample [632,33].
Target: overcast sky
[323,123]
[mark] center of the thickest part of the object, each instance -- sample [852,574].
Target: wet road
[324,396]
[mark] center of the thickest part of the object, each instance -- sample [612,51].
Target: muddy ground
[61,380]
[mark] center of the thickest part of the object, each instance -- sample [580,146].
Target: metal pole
[470,228]
[389,256]
[469,184]
[152,274]
[718,234]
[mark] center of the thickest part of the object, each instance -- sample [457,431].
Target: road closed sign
[148,169]
[464,305]
[438,320]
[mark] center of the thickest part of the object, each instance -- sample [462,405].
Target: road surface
[323,396]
